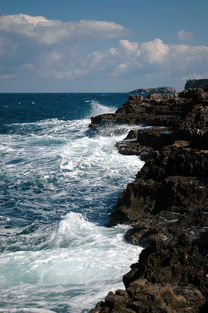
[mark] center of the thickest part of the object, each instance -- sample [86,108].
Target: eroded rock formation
[166,205]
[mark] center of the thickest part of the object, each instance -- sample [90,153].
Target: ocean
[59,181]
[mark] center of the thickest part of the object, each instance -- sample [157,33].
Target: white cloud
[153,61]
[51,47]
[151,52]
[184,35]
[131,47]
[52,32]
[156,51]
[37,47]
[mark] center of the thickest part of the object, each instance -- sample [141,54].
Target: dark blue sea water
[58,183]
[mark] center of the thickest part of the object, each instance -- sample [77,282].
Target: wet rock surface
[166,205]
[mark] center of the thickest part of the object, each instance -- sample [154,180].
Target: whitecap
[64,171]
[84,258]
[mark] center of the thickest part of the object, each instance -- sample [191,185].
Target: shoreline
[166,205]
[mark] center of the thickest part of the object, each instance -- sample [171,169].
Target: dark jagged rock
[155,110]
[145,297]
[158,90]
[176,161]
[166,205]
[167,278]
[178,263]
[144,141]
[145,199]
[195,126]
[196,94]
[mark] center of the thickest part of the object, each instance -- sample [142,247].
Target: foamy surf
[62,182]
[81,258]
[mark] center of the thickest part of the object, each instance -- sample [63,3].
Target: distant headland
[158,90]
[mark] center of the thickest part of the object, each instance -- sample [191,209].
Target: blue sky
[95,46]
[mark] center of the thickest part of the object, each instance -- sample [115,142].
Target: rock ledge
[166,205]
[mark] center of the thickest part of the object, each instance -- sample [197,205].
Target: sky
[101,46]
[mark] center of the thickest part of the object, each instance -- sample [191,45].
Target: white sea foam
[59,169]
[84,258]
[63,159]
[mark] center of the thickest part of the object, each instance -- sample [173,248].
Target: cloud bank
[36,47]
[53,32]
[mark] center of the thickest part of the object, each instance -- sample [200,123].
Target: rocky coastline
[166,205]
[158,90]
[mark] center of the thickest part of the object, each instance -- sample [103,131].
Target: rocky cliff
[166,205]
[196,83]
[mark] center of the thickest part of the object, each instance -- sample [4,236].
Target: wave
[83,259]
[98,108]
[58,186]
[89,167]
